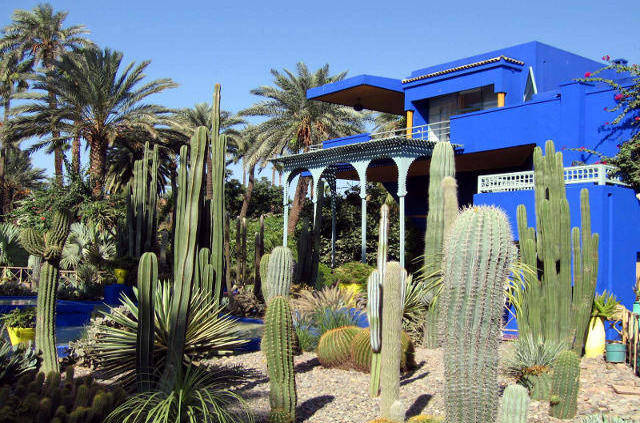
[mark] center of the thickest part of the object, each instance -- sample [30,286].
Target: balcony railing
[516,181]
[437,131]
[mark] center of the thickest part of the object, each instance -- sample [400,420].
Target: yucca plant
[110,341]
[196,397]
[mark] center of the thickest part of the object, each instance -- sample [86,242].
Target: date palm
[99,101]
[40,35]
[294,123]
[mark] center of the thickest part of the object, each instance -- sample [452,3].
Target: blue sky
[236,43]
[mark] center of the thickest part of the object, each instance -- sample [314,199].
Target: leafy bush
[15,289]
[87,284]
[353,272]
[325,278]
[86,244]
[24,317]
[11,252]
[109,343]
[197,397]
[15,360]
[306,334]
[326,319]
[415,309]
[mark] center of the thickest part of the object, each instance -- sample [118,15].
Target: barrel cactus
[49,247]
[565,385]
[478,252]
[515,404]
[334,347]
[361,352]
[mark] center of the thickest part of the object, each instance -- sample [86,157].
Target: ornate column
[361,168]
[285,206]
[403,164]
[316,173]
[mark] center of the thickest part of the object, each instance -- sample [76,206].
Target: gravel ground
[341,396]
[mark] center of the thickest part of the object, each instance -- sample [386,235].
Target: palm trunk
[75,154]
[3,160]
[58,155]
[247,194]
[97,169]
[298,202]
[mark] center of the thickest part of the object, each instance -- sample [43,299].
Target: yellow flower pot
[596,338]
[121,275]
[21,335]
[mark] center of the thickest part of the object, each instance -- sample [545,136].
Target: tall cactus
[566,382]
[515,404]
[49,247]
[258,253]
[555,308]
[278,339]
[391,352]
[443,207]
[190,178]
[141,203]
[218,148]
[374,302]
[147,282]
[478,252]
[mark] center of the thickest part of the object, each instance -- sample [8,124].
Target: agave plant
[531,357]
[110,340]
[197,396]
[605,305]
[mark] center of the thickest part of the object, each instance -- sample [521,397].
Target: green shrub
[24,317]
[15,289]
[353,272]
[15,360]
[325,278]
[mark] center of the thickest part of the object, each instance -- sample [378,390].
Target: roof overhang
[371,92]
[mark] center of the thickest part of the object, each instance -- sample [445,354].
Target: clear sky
[236,43]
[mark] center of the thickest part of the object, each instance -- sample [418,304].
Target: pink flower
[42,218]
[605,108]
[587,74]
[606,57]
[606,123]
[637,119]
[618,97]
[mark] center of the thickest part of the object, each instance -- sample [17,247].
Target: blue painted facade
[501,139]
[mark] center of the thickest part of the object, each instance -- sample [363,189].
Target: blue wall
[614,215]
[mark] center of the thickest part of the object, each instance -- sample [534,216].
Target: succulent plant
[361,352]
[515,404]
[565,385]
[334,347]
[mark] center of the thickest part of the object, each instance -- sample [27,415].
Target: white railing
[516,181]
[437,131]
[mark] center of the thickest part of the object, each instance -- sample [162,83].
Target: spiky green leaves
[477,256]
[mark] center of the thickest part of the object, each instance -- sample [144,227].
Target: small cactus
[564,389]
[515,404]
[334,346]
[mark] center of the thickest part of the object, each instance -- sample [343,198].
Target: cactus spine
[278,339]
[218,148]
[477,256]
[184,261]
[147,281]
[443,207]
[566,382]
[374,302]
[515,404]
[49,247]
[391,352]
[554,308]
[141,203]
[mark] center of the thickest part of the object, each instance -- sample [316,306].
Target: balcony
[433,132]
[599,174]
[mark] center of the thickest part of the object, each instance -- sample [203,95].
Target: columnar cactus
[264,270]
[391,352]
[478,252]
[259,251]
[566,382]
[515,404]
[241,251]
[217,151]
[443,208]
[190,178]
[278,339]
[49,247]
[374,299]
[147,282]
[141,203]
[555,307]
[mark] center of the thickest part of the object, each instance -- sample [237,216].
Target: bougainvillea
[627,111]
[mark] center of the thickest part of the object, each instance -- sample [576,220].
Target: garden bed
[341,396]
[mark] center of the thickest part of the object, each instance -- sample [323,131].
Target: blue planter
[113,293]
[636,307]
[616,353]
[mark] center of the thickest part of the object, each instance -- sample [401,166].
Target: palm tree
[387,122]
[294,123]
[13,79]
[40,35]
[21,179]
[99,102]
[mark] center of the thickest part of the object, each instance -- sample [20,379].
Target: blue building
[494,108]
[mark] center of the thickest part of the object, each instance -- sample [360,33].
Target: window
[530,89]
[477,99]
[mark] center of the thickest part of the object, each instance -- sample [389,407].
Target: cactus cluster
[477,256]
[49,247]
[141,203]
[147,283]
[515,404]
[443,208]
[557,308]
[565,385]
[334,346]
[278,339]
[51,399]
